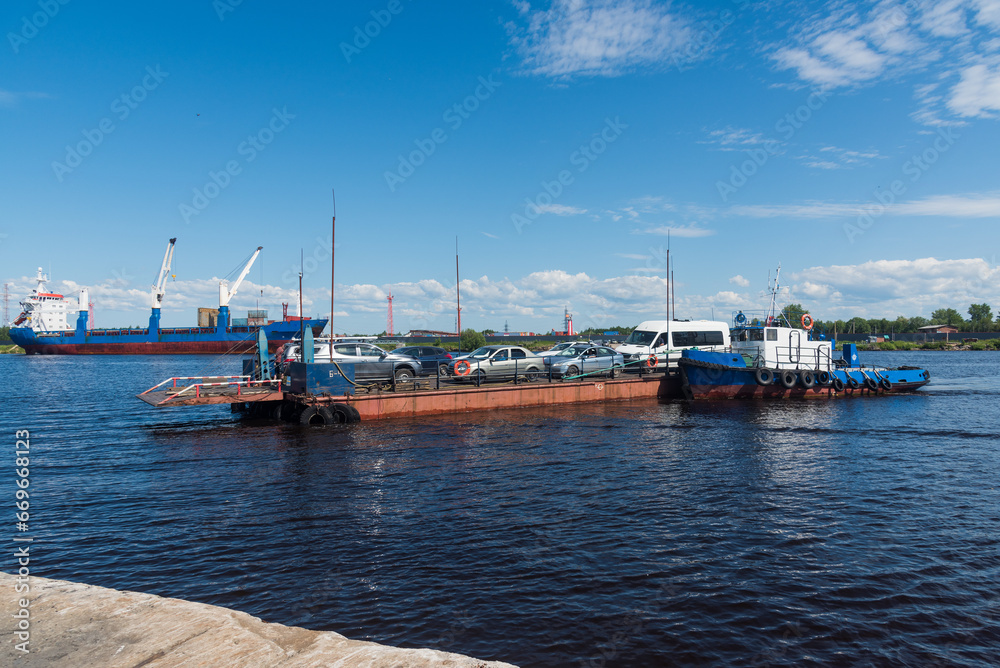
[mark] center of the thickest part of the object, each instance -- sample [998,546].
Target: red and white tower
[389,330]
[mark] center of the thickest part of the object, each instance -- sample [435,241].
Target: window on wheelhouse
[772,334]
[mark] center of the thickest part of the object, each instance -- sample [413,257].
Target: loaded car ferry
[43,327]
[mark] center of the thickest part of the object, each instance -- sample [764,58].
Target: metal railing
[196,389]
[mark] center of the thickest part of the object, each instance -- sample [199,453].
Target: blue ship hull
[708,375]
[159,341]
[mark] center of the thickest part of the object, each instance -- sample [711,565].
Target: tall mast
[333,246]
[458,291]
[670,282]
[774,293]
[302,333]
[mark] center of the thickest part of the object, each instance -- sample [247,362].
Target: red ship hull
[151,348]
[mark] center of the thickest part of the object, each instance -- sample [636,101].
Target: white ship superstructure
[48,311]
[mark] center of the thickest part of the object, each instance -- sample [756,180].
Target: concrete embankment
[84,626]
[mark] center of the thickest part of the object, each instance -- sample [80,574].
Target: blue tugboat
[771,359]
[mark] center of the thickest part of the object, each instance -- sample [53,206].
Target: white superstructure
[45,311]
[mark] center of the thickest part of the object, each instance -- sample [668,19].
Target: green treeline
[980,320]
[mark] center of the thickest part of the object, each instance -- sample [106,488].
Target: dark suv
[431,358]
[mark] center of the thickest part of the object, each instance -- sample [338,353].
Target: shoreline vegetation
[991,344]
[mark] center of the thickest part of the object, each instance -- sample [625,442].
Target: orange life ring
[806,316]
[462,368]
[651,361]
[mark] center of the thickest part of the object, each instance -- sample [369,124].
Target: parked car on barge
[498,362]
[585,360]
[371,362]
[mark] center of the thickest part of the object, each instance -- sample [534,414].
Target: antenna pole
[333,247]
[669,279]
[302,333]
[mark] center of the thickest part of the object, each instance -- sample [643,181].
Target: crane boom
[161,280]
[225,292]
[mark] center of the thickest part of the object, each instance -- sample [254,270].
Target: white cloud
[947,47]
[686,231]
[735,139]
[740,281]
[975,205]
[12,99]
[878,288]
[833,157]
[561,210]
[977,92]
[599,37]
[887,288]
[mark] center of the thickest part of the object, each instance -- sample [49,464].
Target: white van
[666,339]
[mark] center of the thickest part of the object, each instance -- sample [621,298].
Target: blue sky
[854,143]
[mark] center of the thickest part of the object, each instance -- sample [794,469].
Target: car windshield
[481,353]
[572,352]
[641,337]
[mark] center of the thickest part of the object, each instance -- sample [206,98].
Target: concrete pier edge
[84,626]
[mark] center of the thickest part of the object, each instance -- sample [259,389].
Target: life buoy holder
[651,361]
[807,318]
[462,368]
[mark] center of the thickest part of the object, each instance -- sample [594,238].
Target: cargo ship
[44,328]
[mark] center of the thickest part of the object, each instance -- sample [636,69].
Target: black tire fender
[807,378]
[838,384]
[313,416]
[788,378]
[764,376]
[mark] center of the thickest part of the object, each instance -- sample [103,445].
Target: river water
[845,532]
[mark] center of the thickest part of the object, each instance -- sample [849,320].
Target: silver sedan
[586,360]
[497,363]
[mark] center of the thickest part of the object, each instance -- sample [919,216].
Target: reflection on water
[836,532]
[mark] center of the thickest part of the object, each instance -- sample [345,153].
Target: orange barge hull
[500,397]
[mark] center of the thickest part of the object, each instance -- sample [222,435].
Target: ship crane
[161,280]
[225,292]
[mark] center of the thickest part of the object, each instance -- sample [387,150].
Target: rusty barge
[291,401]
[321,393]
